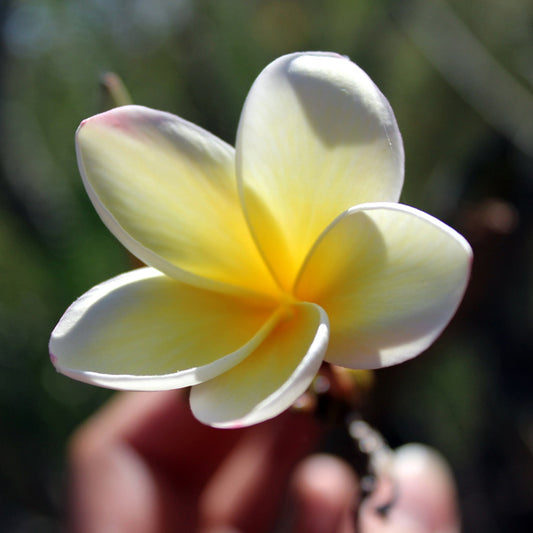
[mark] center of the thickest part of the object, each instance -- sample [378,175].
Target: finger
[156,435]
[426,502]
[247,490]
[112,487]
[116,490]
[161,428]
[325,492]
[140,463]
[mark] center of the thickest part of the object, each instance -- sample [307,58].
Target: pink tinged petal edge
[125,119]
[183,378]
[129,242]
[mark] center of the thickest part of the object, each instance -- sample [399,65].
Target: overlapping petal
[316,137]
[145,331]
[167,189]
[261,256]
[270,379]
[390,278]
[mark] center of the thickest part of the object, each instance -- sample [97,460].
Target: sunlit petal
[264,260]
[316,137]
[167,189]
[145,331]
[390,278]
[270,379]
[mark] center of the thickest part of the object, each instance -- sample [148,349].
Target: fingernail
[418,459]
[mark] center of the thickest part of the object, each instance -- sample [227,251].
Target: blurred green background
[459,76]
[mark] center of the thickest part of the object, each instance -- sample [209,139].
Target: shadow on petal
[342,105]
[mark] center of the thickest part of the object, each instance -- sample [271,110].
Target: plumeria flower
[265,259]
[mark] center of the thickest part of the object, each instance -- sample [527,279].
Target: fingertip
[417,461]
[426,495]
[325,490]
[427,484]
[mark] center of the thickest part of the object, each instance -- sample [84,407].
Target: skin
[143,464]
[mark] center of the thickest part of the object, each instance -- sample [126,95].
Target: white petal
[390,278]
[316,137]
[145,331]
[270,379]
[167,190]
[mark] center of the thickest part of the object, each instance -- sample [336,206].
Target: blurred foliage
[459,76]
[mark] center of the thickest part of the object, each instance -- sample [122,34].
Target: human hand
[143,464]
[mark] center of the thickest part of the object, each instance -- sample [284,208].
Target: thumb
[426,496]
